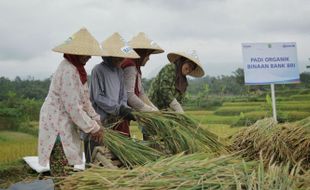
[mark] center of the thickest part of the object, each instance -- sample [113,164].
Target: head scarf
[181,80]
[74,60]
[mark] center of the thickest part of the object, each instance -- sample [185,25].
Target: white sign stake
[273,98]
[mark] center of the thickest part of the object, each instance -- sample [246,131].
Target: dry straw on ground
[193,171]
[278,143]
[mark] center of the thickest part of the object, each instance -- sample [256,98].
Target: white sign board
[270,63]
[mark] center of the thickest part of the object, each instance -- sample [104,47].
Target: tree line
[21,99]
[220,85]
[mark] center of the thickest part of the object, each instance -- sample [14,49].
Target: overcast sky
[214,28]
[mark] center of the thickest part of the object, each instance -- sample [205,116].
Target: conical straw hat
[192,56]
[81,43]
[141,41]
[116,46]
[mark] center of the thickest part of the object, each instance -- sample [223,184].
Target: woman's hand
[97,136]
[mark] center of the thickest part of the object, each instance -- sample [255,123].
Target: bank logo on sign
[288,45]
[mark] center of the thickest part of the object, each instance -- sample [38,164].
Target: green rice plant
[174,133]
[129,151]
[250,118]
[290,116]
[288,92]
[294,107]
[198,113]
[303,97]
[15,145]
[236,110]
[301,102]
[223,131]
[305,91]
[239,104]
[215,119]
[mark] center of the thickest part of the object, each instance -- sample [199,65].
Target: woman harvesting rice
[107,90]
[67,108]
[137,99]
[169,87]
[145,47]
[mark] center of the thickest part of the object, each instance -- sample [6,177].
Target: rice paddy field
[15,145]
[234,123]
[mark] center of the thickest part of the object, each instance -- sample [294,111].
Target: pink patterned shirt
[66,109]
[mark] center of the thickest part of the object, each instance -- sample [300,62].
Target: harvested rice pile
[173,133]
[194,171]
[128,151]
[278,143]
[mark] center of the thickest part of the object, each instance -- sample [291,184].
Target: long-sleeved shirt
[107,92]
[138,101]
[66,109]
[163,90]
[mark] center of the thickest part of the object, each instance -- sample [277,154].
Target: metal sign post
[273,98]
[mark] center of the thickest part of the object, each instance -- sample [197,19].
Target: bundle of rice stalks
[249,140]
[278,143]
[194,171]
[275,177]
[297,138]
[174,133]
[128,151]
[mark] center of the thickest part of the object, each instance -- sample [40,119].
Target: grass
[243,103]
[216,119]
[304,97]
[294,107]
[15,145]
[236,110]
[222,130]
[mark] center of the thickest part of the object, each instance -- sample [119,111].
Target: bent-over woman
[67,108]
[168,88]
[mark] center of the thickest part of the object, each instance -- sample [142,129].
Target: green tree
[239,75]
[305,79]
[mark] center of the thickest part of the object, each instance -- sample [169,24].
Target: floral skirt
[59,165]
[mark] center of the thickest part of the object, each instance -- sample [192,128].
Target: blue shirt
[107,92]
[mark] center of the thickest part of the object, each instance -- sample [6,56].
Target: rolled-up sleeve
[71,94]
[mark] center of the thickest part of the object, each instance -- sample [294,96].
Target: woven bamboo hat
[141,41]
[116,46]
[81,43]
[192,56]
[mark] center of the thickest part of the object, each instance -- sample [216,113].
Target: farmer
[144,47]
[137,99]
[107,91]
[67,108]
[168,88]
